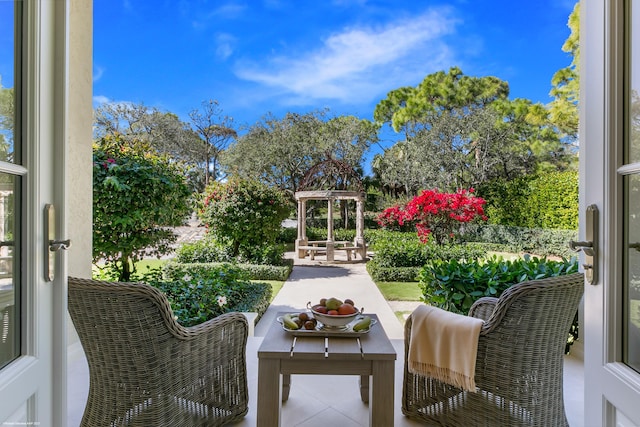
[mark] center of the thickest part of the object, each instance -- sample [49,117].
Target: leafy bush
[245,214]
[203,250]
[543,242]
[415,254]
[173,270]
[137,196]
[198,297]
[392,274]
[287,235]
[546,201]
[455,286]
[401,256]
[209,249]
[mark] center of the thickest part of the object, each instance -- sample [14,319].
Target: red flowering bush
[435,214]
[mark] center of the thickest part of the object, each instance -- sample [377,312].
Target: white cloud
[358,64]
[97,73]
[229,10]
[100,99]
[225,44]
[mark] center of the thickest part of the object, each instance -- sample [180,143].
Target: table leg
[381,403]
[269,389]
[364,388]
[286,386]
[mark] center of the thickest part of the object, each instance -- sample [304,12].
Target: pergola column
[330,251]
[302,228]
[359,240]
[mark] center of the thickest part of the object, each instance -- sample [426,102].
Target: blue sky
[276,56]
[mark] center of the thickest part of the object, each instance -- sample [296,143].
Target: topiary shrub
[137,196]
[244,214]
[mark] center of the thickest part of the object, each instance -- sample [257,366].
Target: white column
[330,252]
[359,240]
[330,221]
[303,219]
[302,231]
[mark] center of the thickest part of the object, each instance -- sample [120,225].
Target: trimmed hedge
[400,258]
[209,249]
[249,271]
[538,241]
[392,274]
[548,200]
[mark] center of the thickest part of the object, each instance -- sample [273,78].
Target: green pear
[333,303]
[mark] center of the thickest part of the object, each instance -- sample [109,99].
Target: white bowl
[336,321]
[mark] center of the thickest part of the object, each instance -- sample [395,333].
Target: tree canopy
[197,144]
[279,151]
[566,82]
[461,131]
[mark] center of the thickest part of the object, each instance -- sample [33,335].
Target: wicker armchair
[519,366]
[147,370]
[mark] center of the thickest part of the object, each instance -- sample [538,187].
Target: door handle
[590,245]
[58,245]
[52,245]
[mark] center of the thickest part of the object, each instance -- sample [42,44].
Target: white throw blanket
[444,346]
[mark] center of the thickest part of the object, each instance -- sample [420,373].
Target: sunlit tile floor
[321,400]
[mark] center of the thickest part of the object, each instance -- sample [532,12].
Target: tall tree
[280,151]
[7,122]
[216,132]
[566,82]
[462,131]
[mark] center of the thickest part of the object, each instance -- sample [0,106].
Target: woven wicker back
[519,365]
[146,369]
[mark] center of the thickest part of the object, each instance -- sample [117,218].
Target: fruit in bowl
[333,312]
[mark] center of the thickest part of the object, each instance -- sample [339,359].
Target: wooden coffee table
[369,355]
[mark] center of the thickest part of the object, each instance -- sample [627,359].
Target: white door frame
[612,389]
[33,387]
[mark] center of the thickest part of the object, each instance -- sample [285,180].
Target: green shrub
[138,195]
[392,274]
[174,270]
[200,296]
[402,253]
[209,249]
[538,241]
[287,235]
[245,214]
[547,201]
[203,250]
[318,233]
[401,256]
[455,286]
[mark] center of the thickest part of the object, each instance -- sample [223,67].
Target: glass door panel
[631,185]
[632,279]
[10,312]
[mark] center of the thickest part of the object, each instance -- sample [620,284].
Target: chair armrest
[483,308]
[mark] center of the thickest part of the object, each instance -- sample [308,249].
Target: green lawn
[400,291]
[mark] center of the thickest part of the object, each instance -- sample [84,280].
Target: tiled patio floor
[321,400]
